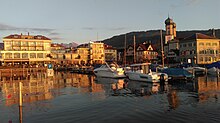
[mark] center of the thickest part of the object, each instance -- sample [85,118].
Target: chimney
[28,33]
[21,34]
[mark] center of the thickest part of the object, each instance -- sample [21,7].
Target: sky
[81,21]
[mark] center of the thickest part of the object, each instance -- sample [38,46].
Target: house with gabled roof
[146,53]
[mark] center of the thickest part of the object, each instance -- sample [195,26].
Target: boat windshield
[104,66]
[140,68]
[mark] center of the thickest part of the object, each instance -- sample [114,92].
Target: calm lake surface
[78,98]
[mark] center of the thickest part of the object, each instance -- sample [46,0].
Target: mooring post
[20,94]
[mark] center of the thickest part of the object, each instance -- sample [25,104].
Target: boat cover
[177,72]
[214,64]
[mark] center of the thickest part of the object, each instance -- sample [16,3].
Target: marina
[72,97]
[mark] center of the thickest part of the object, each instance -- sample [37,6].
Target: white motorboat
[196,70]
[142,72]
[109,71]
[213,71]
[214,68]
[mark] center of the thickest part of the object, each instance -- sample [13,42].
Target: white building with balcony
[25,49]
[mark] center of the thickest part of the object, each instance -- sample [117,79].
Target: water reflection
[39,91]
[207,88]
[37,87]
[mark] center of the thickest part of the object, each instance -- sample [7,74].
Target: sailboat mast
[134,49]
[162,50]
[125,50]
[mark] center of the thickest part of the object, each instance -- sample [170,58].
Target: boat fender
[162,78]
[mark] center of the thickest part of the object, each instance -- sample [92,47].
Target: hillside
[153,36]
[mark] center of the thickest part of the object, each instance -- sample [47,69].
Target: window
[32,43]
[40,55]
[32,55]
[201,52]
[201,44]
[214,44]
[214,59]
[24,55]
[24,43]
[206,59]
[212,52]
[208,44]
[8,55]
[32,48]
[194,44]
[16,55]
[201,59]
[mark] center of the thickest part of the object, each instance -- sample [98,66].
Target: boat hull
[141,77]
[108,74]
[213,71]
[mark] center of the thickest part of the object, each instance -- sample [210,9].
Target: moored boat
[142,72]
[109,71]
[196,70]
[214,68]
[178,73]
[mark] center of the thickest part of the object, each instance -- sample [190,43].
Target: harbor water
[80,98]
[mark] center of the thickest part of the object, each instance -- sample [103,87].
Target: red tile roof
[199,36]
[16,36]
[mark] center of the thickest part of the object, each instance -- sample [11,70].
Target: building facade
[26,49]
[199,49]
[83,56]
[96,53]
[171,47]
[110,54]
[146,53]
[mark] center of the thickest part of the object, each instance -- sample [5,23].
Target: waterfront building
[171,45]
[26,49]
[199,49]
[146,53]
[170,29]
[96,53]
[83,56]
[171,51]
[110,53]
[57,52]
[63,56]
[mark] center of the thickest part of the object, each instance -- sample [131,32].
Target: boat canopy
[214,64]
[177,72]
[140,64]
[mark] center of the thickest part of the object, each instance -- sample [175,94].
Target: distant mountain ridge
[152,36]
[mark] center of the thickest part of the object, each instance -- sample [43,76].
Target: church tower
[170,29]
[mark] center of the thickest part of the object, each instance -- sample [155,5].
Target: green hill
[152,36]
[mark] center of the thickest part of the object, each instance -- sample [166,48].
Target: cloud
[54,34]
[185,3]
[56,38]
[105,28]
[116,28]
[5,27]
[89,28]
